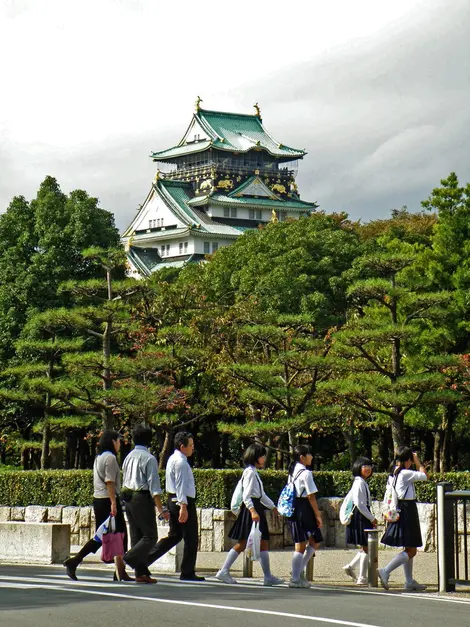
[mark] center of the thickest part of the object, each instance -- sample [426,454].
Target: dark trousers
[140,510]
[187,531]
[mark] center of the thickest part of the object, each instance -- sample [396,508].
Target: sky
[377,92]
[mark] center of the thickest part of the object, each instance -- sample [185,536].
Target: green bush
[214,487]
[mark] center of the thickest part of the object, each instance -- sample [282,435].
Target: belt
[173,497]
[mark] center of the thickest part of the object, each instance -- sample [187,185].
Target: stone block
[54,514]
[275,523]
[85,517]
[199,514]
[17,513]
[75,539]
[206,544]
[71,516]
[207,521]
[5,513]
[84,535]
[34,543]
[427,522]
[330,507]
[219,536]
[340,535]
[221,514]
[35,514]
[276,543]
[287,536]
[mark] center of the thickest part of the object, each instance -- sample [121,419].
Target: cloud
[382,106]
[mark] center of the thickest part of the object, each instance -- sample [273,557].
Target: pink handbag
[113,545]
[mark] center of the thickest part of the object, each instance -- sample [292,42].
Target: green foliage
[214,487]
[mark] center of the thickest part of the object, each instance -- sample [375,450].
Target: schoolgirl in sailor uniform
[362,518]
[405,532]
[253,509]
[306,520]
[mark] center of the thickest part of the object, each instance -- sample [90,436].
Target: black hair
[142,435]
[182,439]
[253,453]
[402,455]
[358,464]
[299,450]
[105,443]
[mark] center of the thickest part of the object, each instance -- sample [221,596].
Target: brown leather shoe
[145,579]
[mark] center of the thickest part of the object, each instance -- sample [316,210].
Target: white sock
[408,568]
[399,560]
[309,553]
[229,560]
[297,564]
[363,566]
[355,560]
[264,559]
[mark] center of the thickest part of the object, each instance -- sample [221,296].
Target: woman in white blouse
[362,518]
[405,532]
[306,520]
[253,509]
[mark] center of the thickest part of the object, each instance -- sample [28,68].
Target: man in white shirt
[141,494]
[181,490]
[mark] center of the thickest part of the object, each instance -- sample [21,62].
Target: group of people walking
[141,495]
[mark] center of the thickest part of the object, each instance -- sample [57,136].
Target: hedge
[214,487]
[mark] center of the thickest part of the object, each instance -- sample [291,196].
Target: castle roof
[232,132]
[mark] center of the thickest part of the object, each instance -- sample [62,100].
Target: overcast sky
[377,92]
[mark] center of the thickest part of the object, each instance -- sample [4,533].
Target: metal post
[309,569]
[445,539]
[247,564]
[373,556]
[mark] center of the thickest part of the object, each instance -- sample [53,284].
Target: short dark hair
[142,435]
[182,439]
[105,443]
[253,453]
[358,464]
[299,450]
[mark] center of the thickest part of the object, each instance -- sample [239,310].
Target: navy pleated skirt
[355,533]
[406,532]
[303,524]
[242,526]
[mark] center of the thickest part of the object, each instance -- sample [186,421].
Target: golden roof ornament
[156,178]
[274,217]
[198,103]
[257,109]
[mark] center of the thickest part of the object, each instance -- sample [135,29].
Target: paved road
[39,596]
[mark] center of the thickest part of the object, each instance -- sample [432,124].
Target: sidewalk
[328,566]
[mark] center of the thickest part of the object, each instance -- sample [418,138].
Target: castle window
[168,249]
[252,214]
[259,214]
[282,216]
[215,247]
[233,212]
[186,247]
[207,248]
[226,212]
[181,248]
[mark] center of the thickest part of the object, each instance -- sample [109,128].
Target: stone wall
[215,524]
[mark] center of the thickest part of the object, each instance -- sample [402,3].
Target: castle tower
[227,175]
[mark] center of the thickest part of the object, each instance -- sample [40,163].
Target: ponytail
[403,454]
[299,450]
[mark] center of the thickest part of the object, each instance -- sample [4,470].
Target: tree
[40,247]
[390,366]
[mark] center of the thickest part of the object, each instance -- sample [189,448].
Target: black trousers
[140,510]
[187,531]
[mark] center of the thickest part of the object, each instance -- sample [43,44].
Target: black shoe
[71,566]
[192,577]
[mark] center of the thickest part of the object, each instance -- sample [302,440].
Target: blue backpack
[286,502]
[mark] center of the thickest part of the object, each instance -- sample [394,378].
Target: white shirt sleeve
[253,487]
[181,481]
[415,475]
[309,483]
[360,496]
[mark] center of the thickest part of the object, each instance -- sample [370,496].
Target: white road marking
[396,593]
[230,608]
[95,583]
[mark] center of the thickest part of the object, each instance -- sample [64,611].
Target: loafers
[192,578]
[145,579]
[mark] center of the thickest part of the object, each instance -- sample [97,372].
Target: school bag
[286,502]
[237,497]
[391,511]
[347,509]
